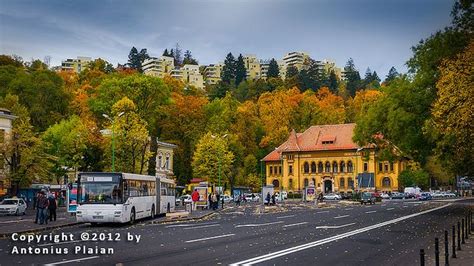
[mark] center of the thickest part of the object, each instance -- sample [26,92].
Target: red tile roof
[312,140]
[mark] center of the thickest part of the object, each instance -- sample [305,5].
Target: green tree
[166,53]
[188,59]
[240,70]
[135,58]
[212,153]
[392,74]
[333,82]
[273,69]
[228,70]
[352,77]
[291,71]
[411,178]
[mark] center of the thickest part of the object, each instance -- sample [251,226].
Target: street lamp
[113,138]
[219,161]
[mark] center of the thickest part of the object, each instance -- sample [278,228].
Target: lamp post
[113,137]
[219,162]
[357,167]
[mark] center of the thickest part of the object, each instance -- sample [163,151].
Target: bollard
[422,257]
[436,251]
[446,248]
[459,235]
[454,241]
[462,232]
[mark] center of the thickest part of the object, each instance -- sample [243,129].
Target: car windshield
[10,202]
[101,192]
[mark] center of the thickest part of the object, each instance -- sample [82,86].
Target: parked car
[184,198]
[367,197]
[425,196]
[13,206]
[384,196]
[450,195]
[332,196]
[226,198]
[397,195]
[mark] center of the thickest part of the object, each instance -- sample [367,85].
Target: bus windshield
[107,190]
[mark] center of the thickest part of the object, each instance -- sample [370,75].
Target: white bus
[122,197]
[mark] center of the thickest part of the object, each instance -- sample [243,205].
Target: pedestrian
[195,198]
[35,206]
[43,208]
[273,199]
[214,201]
[244,198]
[52,206]
[218,196]
[267,199]
[209,198]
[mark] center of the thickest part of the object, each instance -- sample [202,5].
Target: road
[387,233]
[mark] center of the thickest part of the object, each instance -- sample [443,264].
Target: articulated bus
[122,197]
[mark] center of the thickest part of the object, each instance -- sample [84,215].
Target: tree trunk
[152,160]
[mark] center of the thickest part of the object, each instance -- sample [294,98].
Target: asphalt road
[388,233]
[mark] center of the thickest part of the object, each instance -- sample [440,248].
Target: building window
[386,167]
[349,167]
[320,167]
[341,182]
[160,161]
[290,184]
[343,166]
[380,167]
[279,170]
[306,182]
[350,183]
[167,163]
[334,167]
[290,157]
[313,167]
[276,183]
[290,169]
[328,167]
[391,167]
[366,167]
[314,181]
[271,170]
[306,167]
[386,182]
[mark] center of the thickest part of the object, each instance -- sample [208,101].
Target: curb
[30,231]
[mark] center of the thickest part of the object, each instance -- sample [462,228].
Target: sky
[375,33]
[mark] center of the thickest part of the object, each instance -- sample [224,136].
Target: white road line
[348,209]
[333,226]
[370,211]
[323,212]
[256,225]
[67,261]
[283,217]
[342,216]
[60,243]
[406,206]
[208,238]
[289,225]
[186,225]
[287,251]
[389,209]
[202,226]
[368,206]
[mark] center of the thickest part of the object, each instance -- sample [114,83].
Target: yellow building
[158,67]
[77,65]
[252,65]
[327,157]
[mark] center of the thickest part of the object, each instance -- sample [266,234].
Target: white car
[187,199]
[252,197]
[385,196]
[226,198]
[13,206]
[332,196]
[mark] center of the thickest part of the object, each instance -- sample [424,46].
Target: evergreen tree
[228,70]
[375,78]
[368,76]
[240,70]
[333,82]
[291,71]
[392,74]
[352,77]
[273,69]
[188,59]
[315,76]
[166,53]
[135,58]
[178,60]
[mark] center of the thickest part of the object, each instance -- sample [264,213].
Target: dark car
[367,197]
[425,196]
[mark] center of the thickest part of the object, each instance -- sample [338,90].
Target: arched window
[290,184]
[160,161]
[306,167]
[313,167]
[386,182]
[334,167]
[167,163]
[271,170]
[343,166]
[349,167]
[350,182]
[276,184]
[320,167]
[341,182]
[328,167]
[314,181]
[306,182]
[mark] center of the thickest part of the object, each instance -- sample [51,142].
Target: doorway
[327,186]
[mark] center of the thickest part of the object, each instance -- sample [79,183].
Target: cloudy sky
[375,33]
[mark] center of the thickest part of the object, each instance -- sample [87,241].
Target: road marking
[348,209]
[370,211]
[202,226]
[406,206]
[256,225]
[342,216]
[323,212]
[60,243]
[368,206]
[389,209]
[287,251]
[283,217]
[333,226]
[289,225]
[186,225]
[208,238]
[67,261]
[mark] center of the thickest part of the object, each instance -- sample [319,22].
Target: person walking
[52,206]
[214,201]
[43,208]
[273,199]
[35,206]
[267,199]
[194,198]
[209,198]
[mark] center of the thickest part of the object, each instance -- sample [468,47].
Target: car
[13,206]
[367,197]
[184,198]
[397,195]
[384,196]
[450,195]
[438,194]
[425,196]
[252,197]
[226,198]
[332,196]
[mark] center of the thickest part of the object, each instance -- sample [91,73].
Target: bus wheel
[152,212]
[168,208]
[132,216]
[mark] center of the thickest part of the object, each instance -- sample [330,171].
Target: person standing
[273,199]
[267,199]
[35,206]
[195,199]
[52,206]
[214,201]
[43,209]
